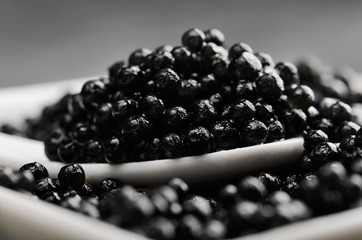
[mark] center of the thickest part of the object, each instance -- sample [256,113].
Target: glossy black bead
[115,150]
[197,206]
[276,131]
[305,165]
[208,84]
[242,216]
[252,188]
[86,190]
[181,187]
[226,135]
[198,140]
[163,60]
[313,138]
[244,90]
[292,212]
[219,65]
[167,81]
[247,67]
[295,121]
[193,39]
[209,50]
[160,228]
[36,169]
[217,100]
[332,174]
[279,198]
[92,151]
[136,130]
[270,86]
[103,116]
[139,56]
[94,90]
[203,112]
[153,107]
[129,205]
[291,184]
[71,176]
[214,229]
[348,143]
[76,105]
[270,181]
[309,191]
[265,59]
[82,132]
[171,145]
[345,129]
[214,35]
[108,184]
[190,227]
[288,72]
[52,142]
[183,59]
[163,48]
[302,97]
[335,110]
[263,111]
[153,149]
[254,132]
[238,49]
[324,124]
[114,69]
[242,111]
[188,91]
[228,194]
[124,108]
[128,77]
[44,186]
[176,118]
[324,152]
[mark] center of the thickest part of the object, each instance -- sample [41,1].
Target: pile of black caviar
[194,99]
[189,100]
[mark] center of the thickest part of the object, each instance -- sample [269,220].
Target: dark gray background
[43,40]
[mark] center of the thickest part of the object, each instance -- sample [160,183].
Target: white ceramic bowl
[22,217]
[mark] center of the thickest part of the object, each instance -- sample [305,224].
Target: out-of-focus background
[43,41]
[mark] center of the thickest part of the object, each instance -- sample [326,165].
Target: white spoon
[17,151]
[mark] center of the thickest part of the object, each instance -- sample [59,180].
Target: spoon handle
[194,169]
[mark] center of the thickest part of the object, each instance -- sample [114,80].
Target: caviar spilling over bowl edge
[192,99]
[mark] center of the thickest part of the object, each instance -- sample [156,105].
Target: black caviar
[192,99]
[150,107]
